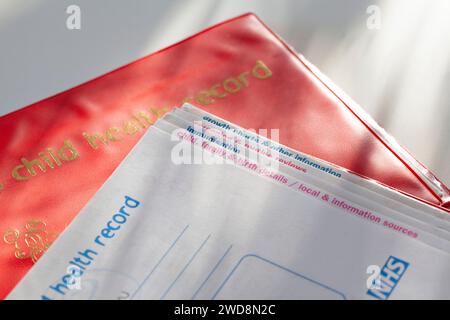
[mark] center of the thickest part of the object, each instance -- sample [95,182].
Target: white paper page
[317,166]
[223,232]
[399,212]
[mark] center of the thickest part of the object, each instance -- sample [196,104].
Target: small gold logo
[34,241]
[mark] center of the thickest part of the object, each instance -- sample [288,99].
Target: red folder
[56,153]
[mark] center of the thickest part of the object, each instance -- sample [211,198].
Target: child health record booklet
[229,226]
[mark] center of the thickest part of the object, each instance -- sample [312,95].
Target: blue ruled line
[184,269]
[159,262]
[212,271]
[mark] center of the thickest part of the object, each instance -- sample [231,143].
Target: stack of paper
[204,209]
[58,152]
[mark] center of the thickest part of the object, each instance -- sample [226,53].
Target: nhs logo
[386,279]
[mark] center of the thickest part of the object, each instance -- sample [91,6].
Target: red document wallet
[56,153]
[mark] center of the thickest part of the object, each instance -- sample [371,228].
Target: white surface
[399,74]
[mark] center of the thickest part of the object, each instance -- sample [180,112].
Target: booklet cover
[57,152]
[171,225]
